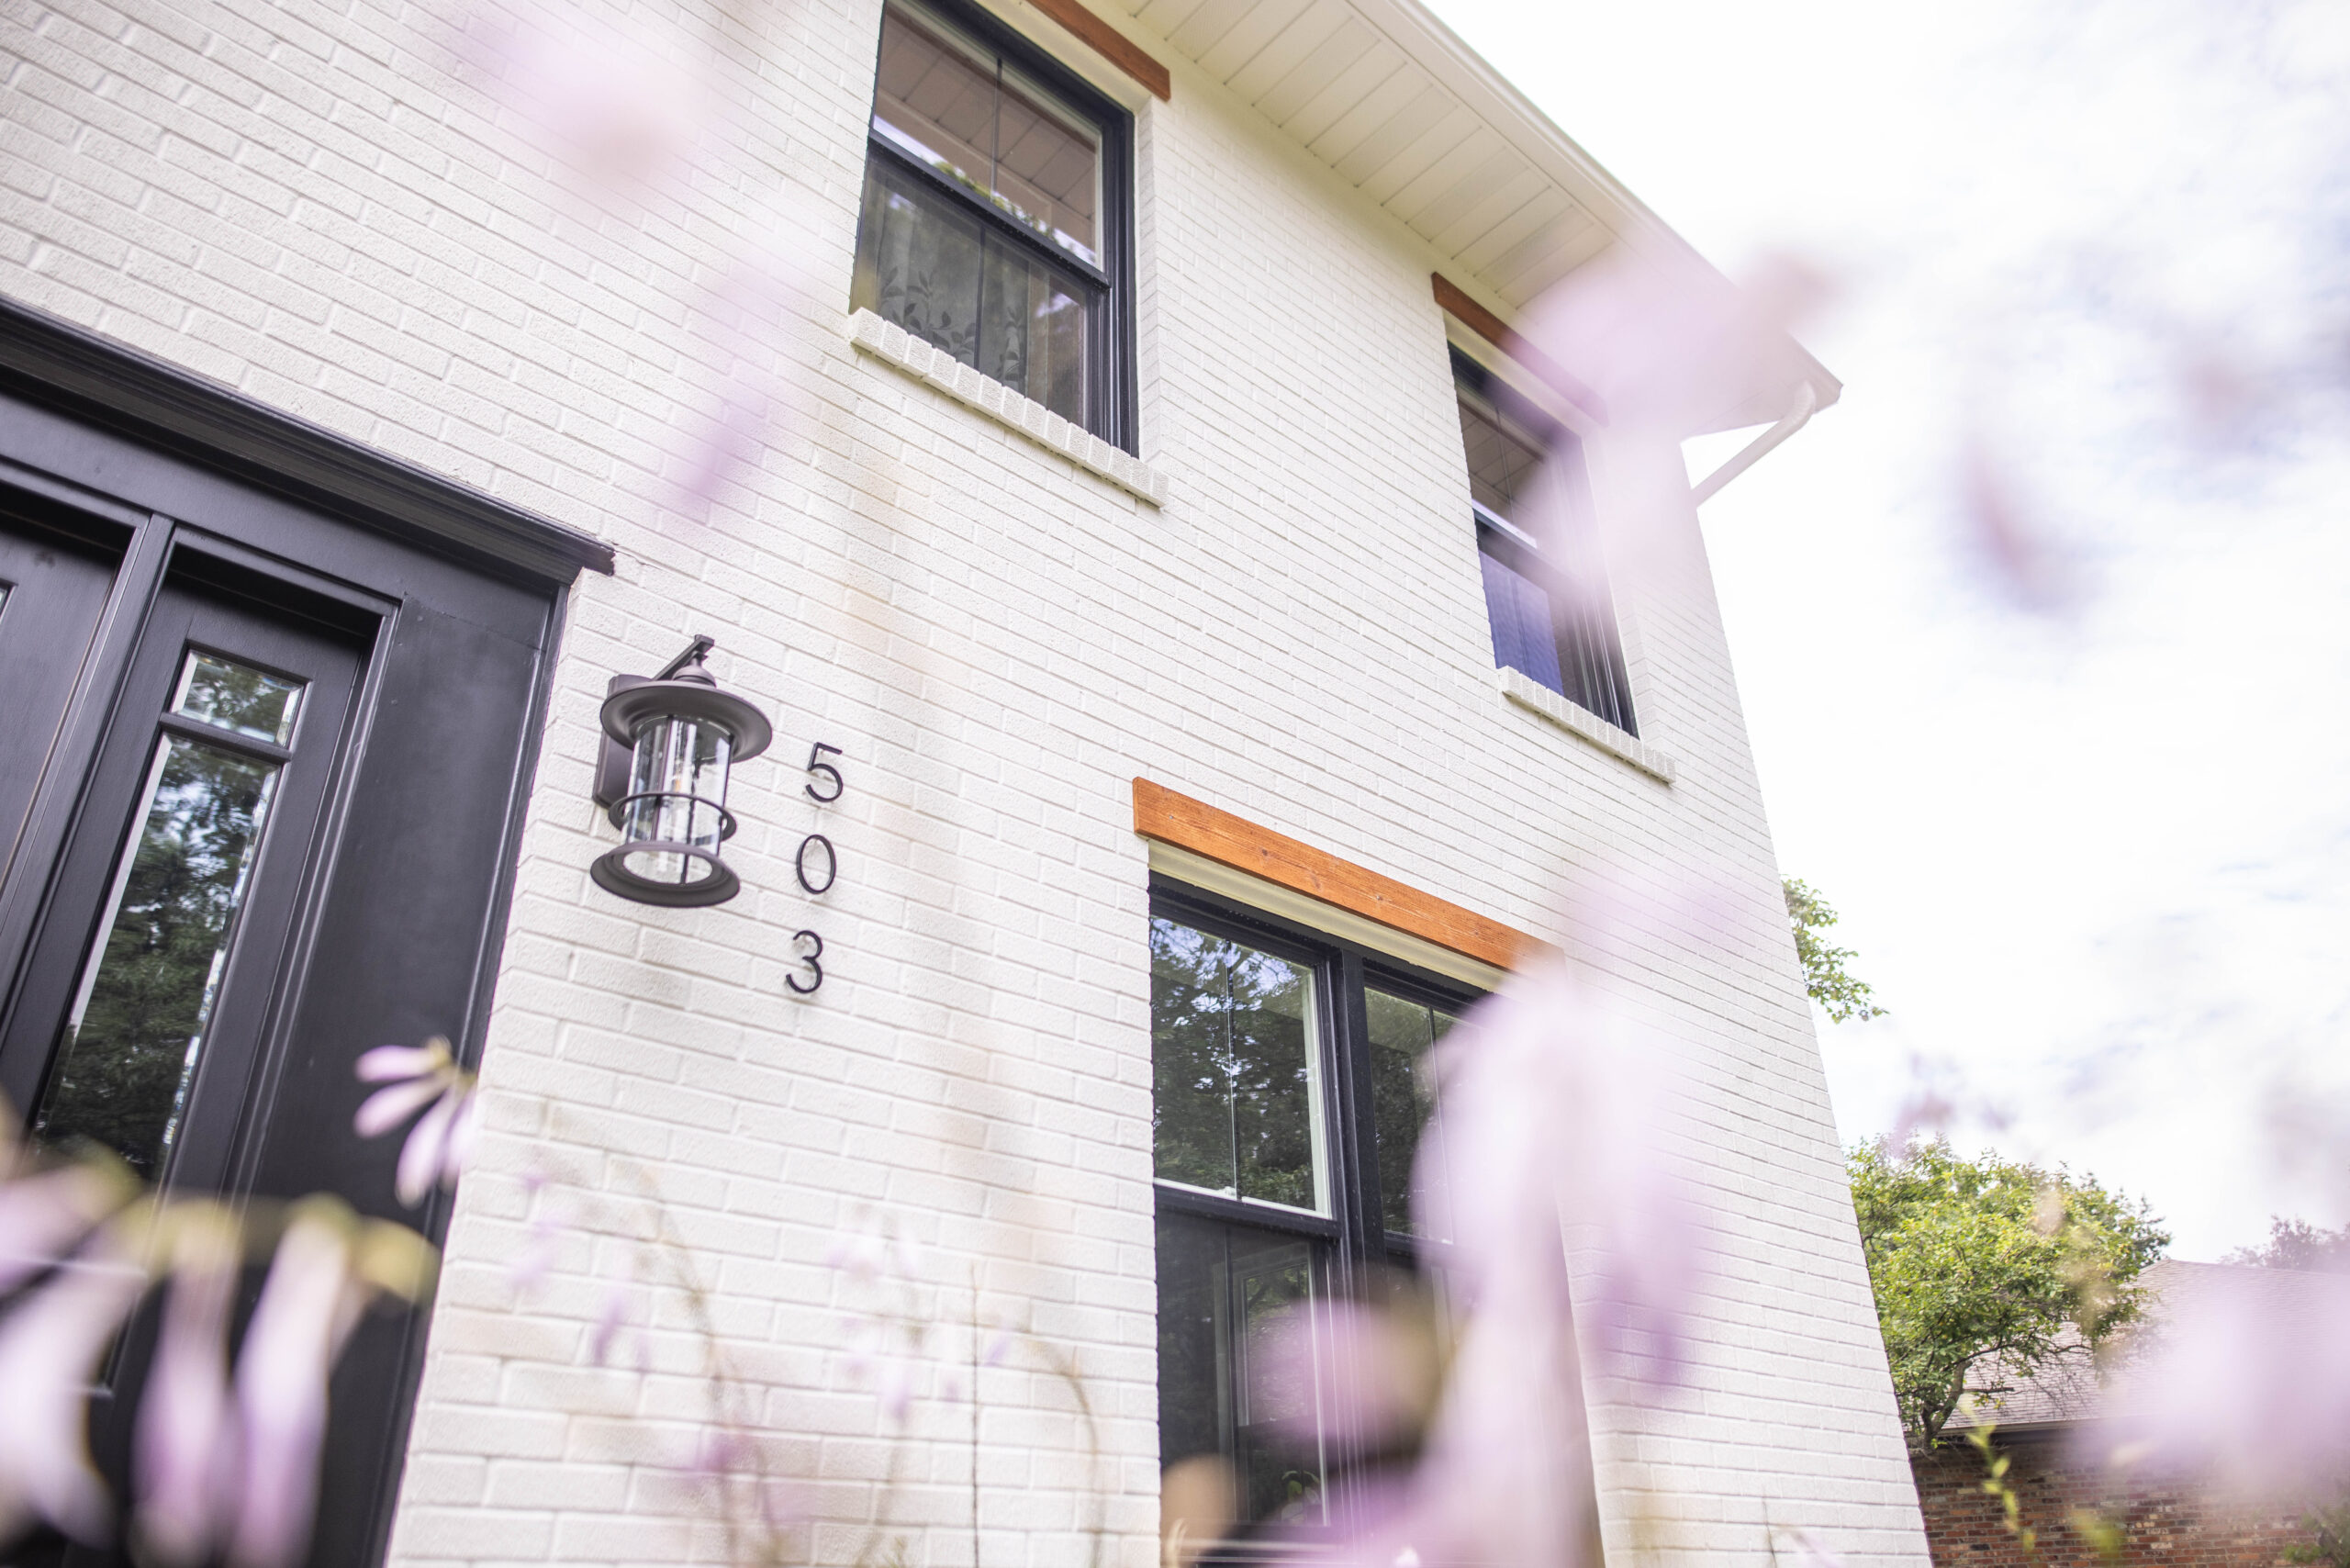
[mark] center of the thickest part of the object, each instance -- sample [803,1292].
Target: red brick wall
[2165,1525]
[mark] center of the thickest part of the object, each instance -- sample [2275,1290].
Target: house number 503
[809,866]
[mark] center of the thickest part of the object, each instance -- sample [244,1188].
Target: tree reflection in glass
[238,698]
[130,1046]
[1404,1097]
[1234,1062]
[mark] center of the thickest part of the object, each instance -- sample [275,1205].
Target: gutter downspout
[1705,490]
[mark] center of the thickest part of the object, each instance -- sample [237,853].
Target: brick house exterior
[294,291]
[2050,1427]
[2162,1522]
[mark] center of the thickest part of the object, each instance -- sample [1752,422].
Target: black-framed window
[1291,1108]
[1546,596]
[997,213]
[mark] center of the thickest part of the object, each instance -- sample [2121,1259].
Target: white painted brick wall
[312,202]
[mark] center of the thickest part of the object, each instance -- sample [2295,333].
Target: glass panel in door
[143,1019]
[132,1040]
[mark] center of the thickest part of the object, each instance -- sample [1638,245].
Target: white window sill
[1585,725]
[899,350]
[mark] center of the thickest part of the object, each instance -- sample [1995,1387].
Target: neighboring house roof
[2287,1304]
[1394,103]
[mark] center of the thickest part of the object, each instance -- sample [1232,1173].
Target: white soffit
[1384,94]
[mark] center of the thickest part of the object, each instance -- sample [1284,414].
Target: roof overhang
[1394,102]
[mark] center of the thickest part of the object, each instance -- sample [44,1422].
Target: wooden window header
[1450,297]
[1110,44]
[1218,835]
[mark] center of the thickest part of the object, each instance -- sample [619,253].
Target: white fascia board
[1423,36]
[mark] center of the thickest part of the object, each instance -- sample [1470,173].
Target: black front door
[139,1025]
[270,707]
[53,582]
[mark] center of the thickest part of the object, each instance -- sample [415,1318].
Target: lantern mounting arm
[686,687]
[694,652]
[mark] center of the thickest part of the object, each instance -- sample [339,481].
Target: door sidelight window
[130,1046]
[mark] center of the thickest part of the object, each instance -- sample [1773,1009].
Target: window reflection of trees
[129,1052]
[1232,1060]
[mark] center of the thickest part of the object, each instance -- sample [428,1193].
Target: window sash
[1350,1244]
[1016,346]
[1547,605]
[1104,284]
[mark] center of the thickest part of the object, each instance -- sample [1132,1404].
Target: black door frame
[467,596]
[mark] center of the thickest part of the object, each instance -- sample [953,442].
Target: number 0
[832,863]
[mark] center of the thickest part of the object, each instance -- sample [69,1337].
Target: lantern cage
[670,740]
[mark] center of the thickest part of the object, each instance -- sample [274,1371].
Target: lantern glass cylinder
[677,781]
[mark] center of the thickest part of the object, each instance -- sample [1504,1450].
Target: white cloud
[2097,859]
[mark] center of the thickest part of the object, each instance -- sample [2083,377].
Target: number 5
[816,763]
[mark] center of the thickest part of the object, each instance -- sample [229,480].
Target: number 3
[815,968]
[816,763]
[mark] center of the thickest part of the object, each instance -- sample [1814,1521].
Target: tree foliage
[1825,979]
[2298,1244]
[1987,1271]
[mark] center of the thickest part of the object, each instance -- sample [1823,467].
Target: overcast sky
[2090,828]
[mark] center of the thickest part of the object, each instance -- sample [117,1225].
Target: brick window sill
[1585,725]
[898,348]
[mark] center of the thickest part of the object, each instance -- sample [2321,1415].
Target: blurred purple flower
[50,1348]
[186,1434]
[44,1216]
[534,1260]
[1815,1551]
[620,1316]
[742,386]
[309,1307]
[1555,1166]
[442,1141]
[626,114]
[1389,1370]
[895,1387]
[619,108]
[2247,1387]
[2007,535]
[1673,345]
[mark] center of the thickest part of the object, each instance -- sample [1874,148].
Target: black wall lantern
[668,741]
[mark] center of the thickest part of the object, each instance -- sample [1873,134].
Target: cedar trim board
[1450,297]
[1110,44]
[53,363]
[1168,817]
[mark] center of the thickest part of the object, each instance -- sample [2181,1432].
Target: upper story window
[1292,1108]
[995,217]
[1545,594]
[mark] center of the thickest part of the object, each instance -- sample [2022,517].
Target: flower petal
[187,1438]
[420,1157]
[464,1131]
[387,1108]
[50,1347]
[386,1063]
[43,1217]
[288,1353]
[613,1312]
